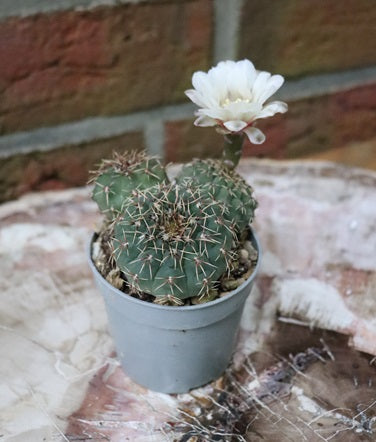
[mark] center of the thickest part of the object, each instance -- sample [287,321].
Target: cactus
[116,179]
[174,243]
[172,240]
[225,186]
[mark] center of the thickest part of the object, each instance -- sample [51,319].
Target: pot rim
[170,308]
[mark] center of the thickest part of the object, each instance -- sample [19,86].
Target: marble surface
[305,363]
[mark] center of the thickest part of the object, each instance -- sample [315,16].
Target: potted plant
[175,259]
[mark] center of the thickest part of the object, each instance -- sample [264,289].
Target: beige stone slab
[294,377]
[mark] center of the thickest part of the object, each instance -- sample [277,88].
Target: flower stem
[232,150]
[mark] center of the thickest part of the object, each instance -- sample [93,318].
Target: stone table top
[305,365]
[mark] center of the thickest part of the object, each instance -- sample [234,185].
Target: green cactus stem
[117,178]
[232,150]
[174,243]
[224,186]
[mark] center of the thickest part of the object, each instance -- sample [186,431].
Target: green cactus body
[225,186]
[173,240]
[173,243]
[116,180]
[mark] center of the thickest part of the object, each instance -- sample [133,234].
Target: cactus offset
[225,186]
[116,179]
[174,243]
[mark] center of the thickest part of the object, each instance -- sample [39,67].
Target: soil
[242,266]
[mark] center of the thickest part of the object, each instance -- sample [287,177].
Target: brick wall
[79,78]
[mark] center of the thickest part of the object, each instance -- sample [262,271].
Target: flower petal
[218,77]
[199,81]
[265,85]
[272,108]
[196,97]
[243,111]
[204,121]
[217,113]
[235,125]
[202,83]
[241,79]
[254,135]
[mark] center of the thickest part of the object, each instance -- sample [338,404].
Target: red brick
[308,126]
[331,121]
[295,37]
[185,141]
[61,168]
[357,110]
[275,130]
[109,60]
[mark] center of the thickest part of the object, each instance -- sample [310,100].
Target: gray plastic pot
[174,349]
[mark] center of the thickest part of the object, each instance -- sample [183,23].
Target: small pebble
[96,250]
[232,284]
[239,271]
[243,256]
[253,255]
[115,279]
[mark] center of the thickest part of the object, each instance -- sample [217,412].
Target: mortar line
[154,137]
[226,25]
[84,131]
[328,83]
[25,8]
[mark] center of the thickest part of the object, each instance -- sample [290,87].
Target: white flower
[231,96]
